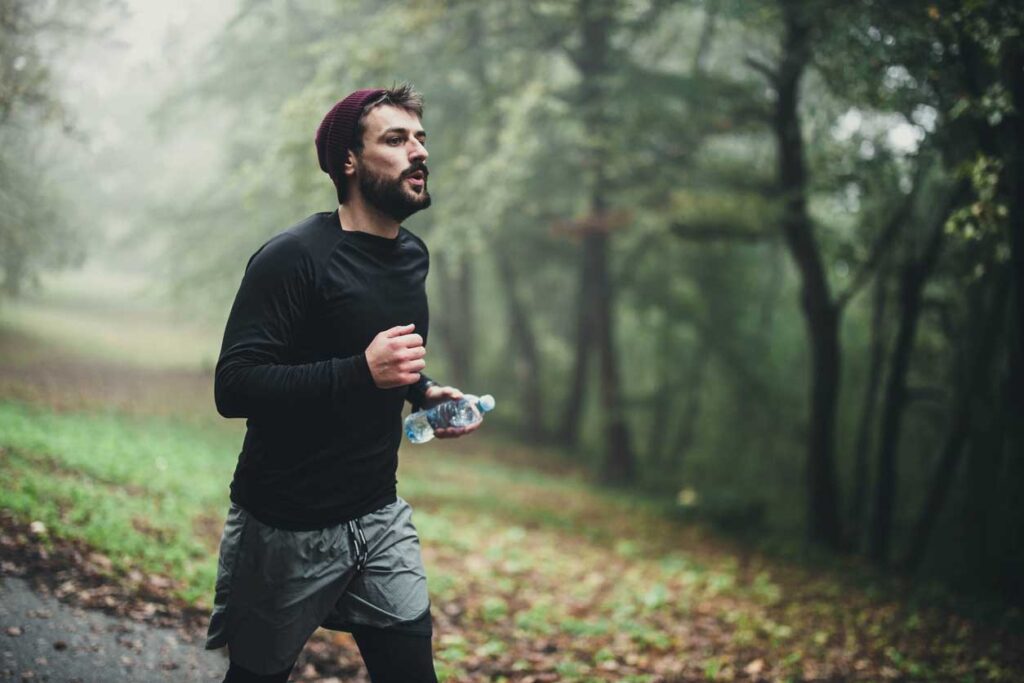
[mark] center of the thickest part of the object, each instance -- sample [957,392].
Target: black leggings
[390,655]
[393,656]
[237,674]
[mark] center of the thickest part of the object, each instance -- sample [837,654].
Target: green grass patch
[132,488]
[158,455]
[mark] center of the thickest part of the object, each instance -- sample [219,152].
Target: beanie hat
[337,132]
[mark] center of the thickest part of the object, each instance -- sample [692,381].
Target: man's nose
[419,152]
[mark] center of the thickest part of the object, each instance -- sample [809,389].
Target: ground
[113,476]
[49,640]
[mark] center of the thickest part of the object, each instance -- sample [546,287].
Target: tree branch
[650,18]
[878,250]
[885,237]
[707,32]
[764,68]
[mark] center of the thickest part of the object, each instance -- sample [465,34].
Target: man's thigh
[392,590]
[274,588]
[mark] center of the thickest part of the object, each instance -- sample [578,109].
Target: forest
[758,266]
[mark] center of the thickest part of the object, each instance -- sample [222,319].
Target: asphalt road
[42,639]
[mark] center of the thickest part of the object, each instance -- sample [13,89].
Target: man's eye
[394,141]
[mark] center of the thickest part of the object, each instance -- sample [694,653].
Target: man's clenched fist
[395,357]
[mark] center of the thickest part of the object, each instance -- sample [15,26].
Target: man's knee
[422,625]
[401,653]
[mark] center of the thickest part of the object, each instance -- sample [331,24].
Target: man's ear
[349,168]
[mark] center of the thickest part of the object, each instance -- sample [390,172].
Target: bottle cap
[486,403]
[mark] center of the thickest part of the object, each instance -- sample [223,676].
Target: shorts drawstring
[355,530]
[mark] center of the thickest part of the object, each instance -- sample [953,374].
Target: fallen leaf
[101,560]
[158,581]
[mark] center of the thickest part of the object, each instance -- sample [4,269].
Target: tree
[914,273]
[956,63]
[35,233]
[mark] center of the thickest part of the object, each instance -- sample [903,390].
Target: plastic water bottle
[466,411]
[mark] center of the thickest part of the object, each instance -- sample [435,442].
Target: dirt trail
[35,371]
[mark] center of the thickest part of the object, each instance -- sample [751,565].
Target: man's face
[391,170]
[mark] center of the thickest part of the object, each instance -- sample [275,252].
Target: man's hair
[403,96]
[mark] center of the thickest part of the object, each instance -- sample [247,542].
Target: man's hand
[395,357]
[435,395]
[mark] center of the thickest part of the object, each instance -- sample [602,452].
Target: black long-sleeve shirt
[321,445]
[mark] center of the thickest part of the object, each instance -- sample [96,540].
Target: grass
[136,489]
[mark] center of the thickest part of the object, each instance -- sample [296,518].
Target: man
[325,341]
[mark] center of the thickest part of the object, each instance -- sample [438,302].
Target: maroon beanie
[337,131]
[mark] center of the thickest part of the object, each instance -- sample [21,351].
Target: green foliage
[982,225]
[36,229]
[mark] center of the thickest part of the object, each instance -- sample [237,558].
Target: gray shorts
[275,587]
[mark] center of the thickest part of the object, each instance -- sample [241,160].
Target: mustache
[418,166]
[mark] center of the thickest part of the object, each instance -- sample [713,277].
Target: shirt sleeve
[418,392]
[253,376]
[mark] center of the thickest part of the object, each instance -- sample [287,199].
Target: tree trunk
[686,433]
[526,360]
[821,315]
[861,474]
[1013,67]
[913,276]
[686,426]
[1013,564]
[467,314]
[676,418]
[596,299]
[973,379]
[661,402]
[454,317]
[569,433]
[983,466]
[619,462]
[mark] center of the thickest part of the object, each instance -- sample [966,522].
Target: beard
[391,197]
